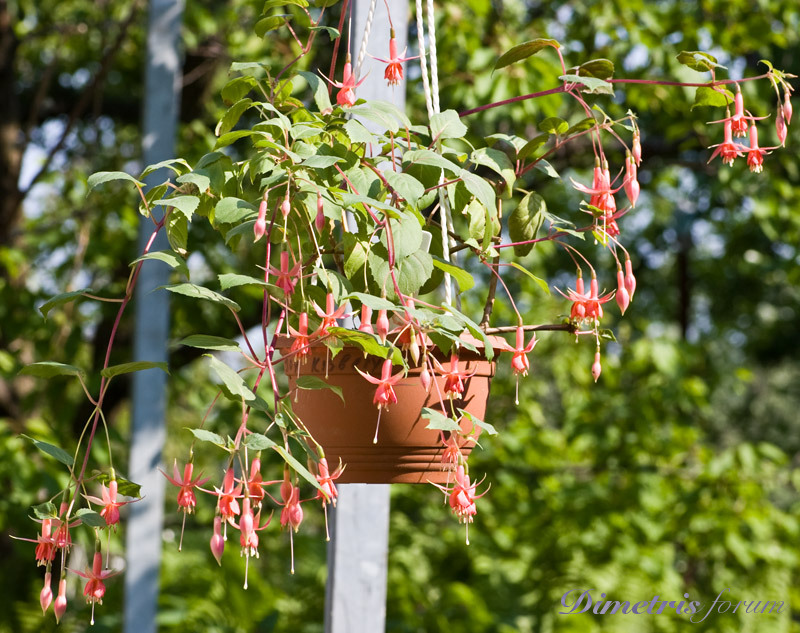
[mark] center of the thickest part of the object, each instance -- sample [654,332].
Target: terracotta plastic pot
[406,452]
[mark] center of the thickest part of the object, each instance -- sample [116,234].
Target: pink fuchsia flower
[329,315]
[108,500]
[227,497]
[326,479]
[301,338]
[60,604]
[384,394]
[451,456]
[255,484]
[217,543]
[461,497]
[728,149]
[394,69]
[453,379]
[248,533]
[45,544]
[95,588]
[347,93]
[586,305]
[739,119]
[187,501]
[755,153]
[292,512]
[286,279]
[780,126]
[46,594]
[602,195]
[319,220]
[519,360]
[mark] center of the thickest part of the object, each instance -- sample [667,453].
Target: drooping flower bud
[787,108]
[425,378]
[366,319]
[217,540]
[286,206]
[319,221]
[60,604]
[260,226]
[596,367]
[46,594]
[630,280]
[382,325]
[623,298]
[780,127]
[636,147]
[631,182]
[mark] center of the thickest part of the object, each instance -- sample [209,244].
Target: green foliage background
[675,474]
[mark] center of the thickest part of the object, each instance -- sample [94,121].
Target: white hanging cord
[362,53]
[434,69]
[422,64]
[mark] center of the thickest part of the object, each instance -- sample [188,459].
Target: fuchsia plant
[394,224]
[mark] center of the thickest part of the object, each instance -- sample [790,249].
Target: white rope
[434,69]
[422,64]
[362,53]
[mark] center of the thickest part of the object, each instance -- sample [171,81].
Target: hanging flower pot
[406,450]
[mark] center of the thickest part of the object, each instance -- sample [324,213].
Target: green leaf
[234,383]
[479,188]
[357,133]
[101,177]
[265,25]
[593,85]
[64,297]
[706,96]
[205,341]
[478,422]
[128,368]
[177,232]
[318,89]
[580,126]
[698,60]
[540,282]
[406,234]
[464,280]
[319,161]
[233,210]
[124,486]
[447,124]
[173,260]
[600,68]
[200,292]
[238,88]
[45,511]
[54,451]
[355,254]
[258,442]
[427,157]
[232,116]
[553,125]
[499,163]
[439,422]
[531,146]
[48,369]
[315,382]
[201,181]
[525,222]
[523,51]
[367,343]
[234,280]
[169,163]
[408,187]
[332,32]
[91,518]
[546,168]
[207,436]
[371,301]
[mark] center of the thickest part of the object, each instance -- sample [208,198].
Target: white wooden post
[355,600]
[161,106]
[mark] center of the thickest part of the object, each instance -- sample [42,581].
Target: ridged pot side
[406,452]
